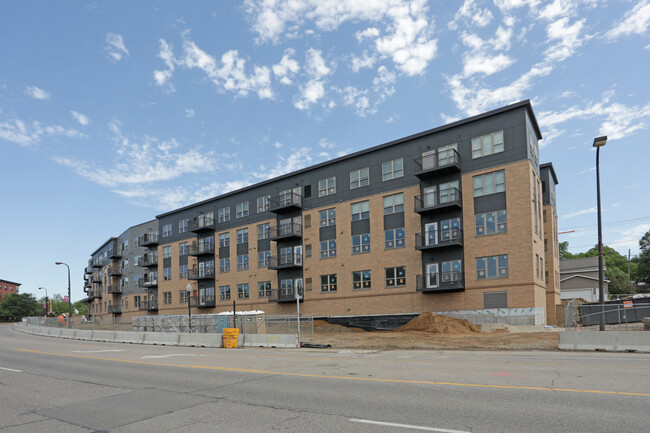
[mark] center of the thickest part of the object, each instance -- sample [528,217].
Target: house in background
[579,279]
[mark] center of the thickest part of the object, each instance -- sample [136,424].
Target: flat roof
[525,103]
[549,165]
[11,282]
[103,245]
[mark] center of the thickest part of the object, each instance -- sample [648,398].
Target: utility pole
[629,256]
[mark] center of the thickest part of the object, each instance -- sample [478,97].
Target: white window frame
[494,181]
[360,178]
[394,203]
[360,210]
[392,169]
[327,186]
[487,144]
[241,210]
[224,214]
[263,203]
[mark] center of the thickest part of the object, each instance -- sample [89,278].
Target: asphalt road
[54,385]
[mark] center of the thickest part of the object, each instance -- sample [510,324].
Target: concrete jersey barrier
[614,341]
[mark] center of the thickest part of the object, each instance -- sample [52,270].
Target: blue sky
[113,112]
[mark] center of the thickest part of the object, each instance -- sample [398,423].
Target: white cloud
[587,170]
[189,113]
[406,36]
[580,212]
[567,37]
[277,145]
[326,144]
[485,64]
[314,89]
[297,159]
[37,93]
[357,63]
[167,56]
[636,21]
[470,13]
[18,132]
[115,48]
[81,118]
[287,68]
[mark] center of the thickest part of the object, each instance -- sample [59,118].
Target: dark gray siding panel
[495,300]
[327,233]
[360,227]
[394,221]
[489,203]
[224,252]
[264,245]
[242,249]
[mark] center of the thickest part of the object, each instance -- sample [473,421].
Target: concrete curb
[612,341]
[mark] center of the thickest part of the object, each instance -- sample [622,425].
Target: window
[263,231]
[449,192]
[167,298]
[451,271]
[167,274]
[327,217]
[328,249]
[264,289]
[183,225]
[394,238]
[396,276]
[224,240]
[242,262]
[489,183]
[242,210]
[328,283]
[392,169]
[394,203]
[487,144]
[361,243]
[125,264]
[224,293]
[167,252]
[327,186]
[450,229]
[183,249]
[263,203]
[167,230]
[360,210]
[136,301]
[126,303]
[361,279]
[224,265]
[490,223]
[224,214]
[492,267]
[242,236]
[359,178]
[536,265]
[242,291]
[182,296]
[307,218]
[263,258]
[183,271]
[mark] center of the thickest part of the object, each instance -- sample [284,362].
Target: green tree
[616,271]
[564,251]
[18,305]
[81,307]
[643,267]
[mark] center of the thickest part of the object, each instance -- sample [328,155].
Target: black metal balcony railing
[201,274]
[440,281]
[286,202]
[114,289]
[439,239]
[115,309]
[87,284]
[445,161]
[200,249]
[148,240]
[98,263]
[115,271]
[95,294]
[149,260]
[114,254]
[148,305]
[96,279]
[448,198]
[147,282]
[201,224]
[204,302]
[285,261]
[89,270]
[286,294]
[285,231]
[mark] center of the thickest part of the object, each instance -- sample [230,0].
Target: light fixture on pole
[598,143]
[69,297]
[189,306]
[46,303]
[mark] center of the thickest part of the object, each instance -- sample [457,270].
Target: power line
[605,244]
[610,224]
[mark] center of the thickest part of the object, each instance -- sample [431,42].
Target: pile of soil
[323,326]
[440,324]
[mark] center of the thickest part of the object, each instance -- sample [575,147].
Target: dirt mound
[323,326]
[439,324]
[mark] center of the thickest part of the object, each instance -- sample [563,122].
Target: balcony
[115,271]
[147,283]
[89,270]
[440,282]
[149,261]
[285,295]
[148,306]
[87,284]
[201,224]
[439,200]
[96,279]
[199,249]
[286,203]
[95,294]
[205,302]
[98,263]
[285,261]
[116,309]
[445,238]
[446,161]
[114,289]
[148,240]
[285,231]
[201,274]
[114,254]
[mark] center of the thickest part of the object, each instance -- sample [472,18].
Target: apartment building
[7,287]
[449,219]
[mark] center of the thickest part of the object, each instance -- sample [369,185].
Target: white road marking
[98,351]
[412,427]
[11,369]
[167,356]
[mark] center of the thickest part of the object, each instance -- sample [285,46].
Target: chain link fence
[618,317]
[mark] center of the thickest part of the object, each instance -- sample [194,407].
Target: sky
[114,112]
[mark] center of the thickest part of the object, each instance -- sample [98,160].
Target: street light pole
[69,297]
[46,304]
[189,306]
[598,143]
